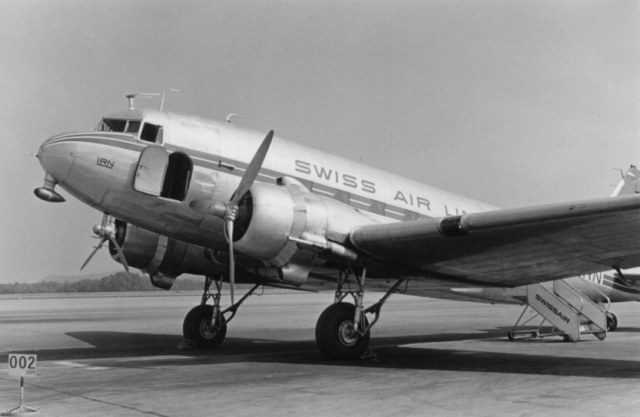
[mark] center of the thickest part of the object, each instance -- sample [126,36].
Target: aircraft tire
[195,328]
[612,322]
[333,338]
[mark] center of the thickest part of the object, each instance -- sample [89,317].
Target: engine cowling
[287,227]
[163,258]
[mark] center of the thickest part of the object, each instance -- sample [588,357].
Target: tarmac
[117,355]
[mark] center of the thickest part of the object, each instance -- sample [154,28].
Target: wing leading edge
[513,247]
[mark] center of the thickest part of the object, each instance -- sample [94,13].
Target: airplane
[187,195]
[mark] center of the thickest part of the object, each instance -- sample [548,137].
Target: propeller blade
[232,263]
[123,260]
[252,170]
[106,231]
[97,248]
[231,208]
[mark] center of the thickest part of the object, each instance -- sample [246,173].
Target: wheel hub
[348,335]
[207,329]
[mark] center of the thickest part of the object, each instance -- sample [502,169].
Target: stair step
[591,328]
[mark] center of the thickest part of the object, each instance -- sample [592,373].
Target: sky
[511,102]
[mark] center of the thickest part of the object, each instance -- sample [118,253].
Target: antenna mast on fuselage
[131,97]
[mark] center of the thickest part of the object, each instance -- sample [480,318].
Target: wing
[515,246]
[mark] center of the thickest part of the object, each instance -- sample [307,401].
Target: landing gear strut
[343,330]
[205,326]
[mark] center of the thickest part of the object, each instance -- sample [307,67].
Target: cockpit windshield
[145,131]
[119,125]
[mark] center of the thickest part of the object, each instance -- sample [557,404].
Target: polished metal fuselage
[99,169]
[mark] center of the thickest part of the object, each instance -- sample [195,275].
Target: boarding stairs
[570,313]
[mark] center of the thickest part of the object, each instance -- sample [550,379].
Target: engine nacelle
[265,220]
[161,257]
[287,226]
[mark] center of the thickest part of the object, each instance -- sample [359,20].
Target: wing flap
[515,246]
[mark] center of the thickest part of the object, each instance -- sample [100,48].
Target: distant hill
[75,278]
[116,282]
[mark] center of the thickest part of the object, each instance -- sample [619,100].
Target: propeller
[231,208]
[106,231]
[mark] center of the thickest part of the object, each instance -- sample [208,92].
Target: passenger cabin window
[151,133]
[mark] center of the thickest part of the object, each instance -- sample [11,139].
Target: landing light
[47,192]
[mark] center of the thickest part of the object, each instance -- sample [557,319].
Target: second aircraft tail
[629,184]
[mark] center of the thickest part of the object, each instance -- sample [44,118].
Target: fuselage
[100,167]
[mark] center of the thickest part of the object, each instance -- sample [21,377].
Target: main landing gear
[205,326]
[343,330]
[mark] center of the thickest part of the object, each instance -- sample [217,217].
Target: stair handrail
[571,288]
[605,296]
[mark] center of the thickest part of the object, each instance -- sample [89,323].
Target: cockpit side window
[112,125]
[119,125]
[151,133]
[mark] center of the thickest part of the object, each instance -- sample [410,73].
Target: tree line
[118,282]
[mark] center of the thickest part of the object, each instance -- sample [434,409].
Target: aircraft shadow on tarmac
[390,352]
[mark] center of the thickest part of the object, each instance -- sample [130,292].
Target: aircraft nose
[56,157]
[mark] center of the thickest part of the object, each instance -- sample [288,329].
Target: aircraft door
[151,170]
